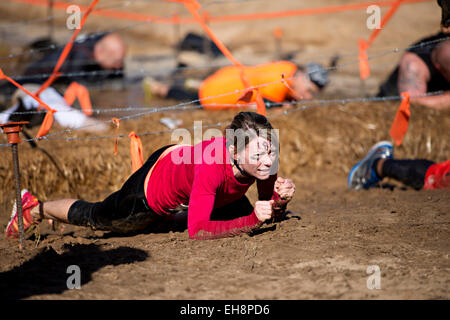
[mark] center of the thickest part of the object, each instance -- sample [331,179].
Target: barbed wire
[184,104]
[302,106]
[268,104]
[119,109]
[120,72]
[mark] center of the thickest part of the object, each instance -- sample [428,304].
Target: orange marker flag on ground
[137,155]
[278,33]
[46,124]
[248,93]
[400,124]
[246,96]
[260,105]
[364,69]
[71,93]
[76,90]
[48,120]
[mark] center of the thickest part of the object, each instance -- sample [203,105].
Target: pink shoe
[28,202]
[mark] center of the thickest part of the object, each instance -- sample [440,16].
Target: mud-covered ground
[324,246]
[322,251]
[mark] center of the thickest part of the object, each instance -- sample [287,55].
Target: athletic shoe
[363,175]
[438,176]
[28,202]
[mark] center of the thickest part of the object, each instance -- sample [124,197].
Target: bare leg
[56,210]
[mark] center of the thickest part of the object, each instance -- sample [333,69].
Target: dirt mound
[331,137]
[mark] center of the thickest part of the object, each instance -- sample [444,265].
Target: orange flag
[66,51]
[76,90]
[34,96]
[400,124]
[364,69]
[117,123]
[206,17]
[48,120]
[71,93]
[46,124]
[384,21]
[193,6]
[278,33]
[246,96]
[48,82]
[137,156]
[260,105]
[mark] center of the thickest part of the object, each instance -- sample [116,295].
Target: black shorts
[125,210]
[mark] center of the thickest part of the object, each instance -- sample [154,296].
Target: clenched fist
[285,188]
[264,210]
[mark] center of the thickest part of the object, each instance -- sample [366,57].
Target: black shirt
[436,83]
[79,61]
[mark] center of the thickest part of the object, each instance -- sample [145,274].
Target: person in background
[425,68]
[415,173]
[302,83]
[99,52]
[24,108]
[92,59]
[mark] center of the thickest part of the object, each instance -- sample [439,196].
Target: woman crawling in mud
[209,179]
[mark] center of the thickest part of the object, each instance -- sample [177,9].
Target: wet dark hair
[252,125]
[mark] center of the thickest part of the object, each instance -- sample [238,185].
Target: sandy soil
[322,251]
[328,240]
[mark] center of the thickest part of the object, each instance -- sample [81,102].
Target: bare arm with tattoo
[413,77]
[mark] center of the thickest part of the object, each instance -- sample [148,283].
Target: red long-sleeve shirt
[202,177]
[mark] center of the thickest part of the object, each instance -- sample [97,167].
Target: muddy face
[257,158]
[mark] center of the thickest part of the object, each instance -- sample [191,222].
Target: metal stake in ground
[12,130]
